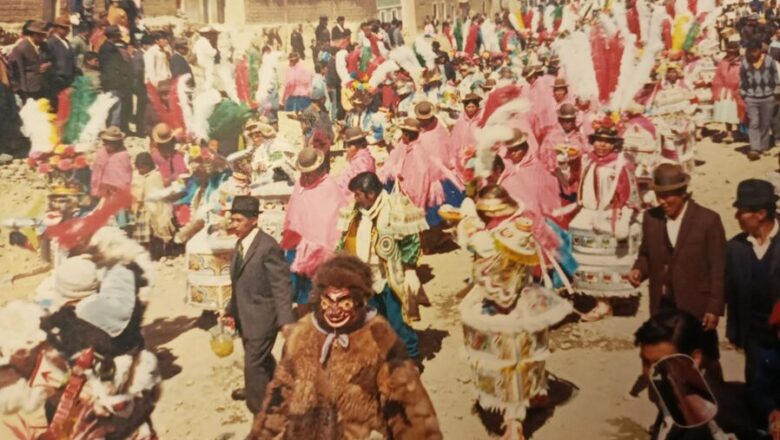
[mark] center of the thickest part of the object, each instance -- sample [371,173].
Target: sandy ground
[595,364]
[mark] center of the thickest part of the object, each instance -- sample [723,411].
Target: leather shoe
[238,394]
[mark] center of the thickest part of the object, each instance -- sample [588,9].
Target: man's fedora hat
[669,177]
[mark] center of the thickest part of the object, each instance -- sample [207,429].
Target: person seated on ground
[373,389]
[676,332]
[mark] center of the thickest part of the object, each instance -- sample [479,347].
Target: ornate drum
[208,272]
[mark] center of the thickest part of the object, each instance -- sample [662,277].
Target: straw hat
[560,83]
[494,201]
[163,134]
[353,134]
[309,160]
[471,97]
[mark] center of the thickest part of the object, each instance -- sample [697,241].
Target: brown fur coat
[370,386]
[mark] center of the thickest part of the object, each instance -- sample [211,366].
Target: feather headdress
[202,107]
[267,77]
[183,91]
[82,98]
[38,125]
[423,48]
[576,59]
[405,58]
[225,73]
[98,113]
[380,73]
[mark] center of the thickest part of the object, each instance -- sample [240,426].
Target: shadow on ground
[559,392]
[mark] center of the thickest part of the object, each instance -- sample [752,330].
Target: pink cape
[436,142]
[312,215]
[362,162]
[463,140]
[531,184]
[111,171]
[298,82]
[418,174]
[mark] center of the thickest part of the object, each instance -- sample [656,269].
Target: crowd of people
[555,144]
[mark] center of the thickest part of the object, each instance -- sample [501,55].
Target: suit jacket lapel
[685,226]
[250,252]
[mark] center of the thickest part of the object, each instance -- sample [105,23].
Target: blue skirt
[452,196]
[301,284]
[297,103]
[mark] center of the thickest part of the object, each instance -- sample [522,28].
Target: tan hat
[567,111]
[517,141]
[353,134]
[493,201]
[410,124]
[112,134]
[669,177]
[471,97]
[488,84]
[37,27]
[424,110]
[162,133]
[560,83]
[309,160]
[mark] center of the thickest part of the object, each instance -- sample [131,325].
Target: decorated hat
[241,164]
[66,188]
[309,160]
[567,111]
[163,134]
[494,201]
[424,111]
[606,129]
[669,177]
[112,134]
[410,124]
[755,194]
[353,134]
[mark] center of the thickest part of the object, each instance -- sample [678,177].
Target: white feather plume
[569,18]
[225,72]
[98,113]
[655,39]
[645,15]
[422,45]
[498,128]
[183,91]
[405,58]
[202,107]
[341,66]
[35,124]
[576,60]
[489,36]
[513,20]
[549,17]
[268,76]
[620,19]
[535,19]
[608,25]
[707,6]
[380,73]
[681,8]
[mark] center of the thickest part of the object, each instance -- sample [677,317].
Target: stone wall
[303,11]
[20,10]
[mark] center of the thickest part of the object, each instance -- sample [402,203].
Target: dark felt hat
[669,177]
[246,205]
[755,194]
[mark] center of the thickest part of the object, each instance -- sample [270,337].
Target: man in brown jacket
[683,254]
[28,63]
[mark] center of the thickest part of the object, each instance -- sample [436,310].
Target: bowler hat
[560,83]
[410,124]
[37,27]
[246,205]
[423,110]
[754,194]
[309,160]
[162,133]
[353,134]
[669,177]
[471,97]
[567,111]
[113,31]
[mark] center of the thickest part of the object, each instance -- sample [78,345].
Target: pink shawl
[418,174]
[436,142]
[531,184]
[463,140]
[170,168]
[312,215]
[362,162]
[110,171]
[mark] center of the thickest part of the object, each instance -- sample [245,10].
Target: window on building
[395,17]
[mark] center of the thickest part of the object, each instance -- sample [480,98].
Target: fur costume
[353,382]
[367,386]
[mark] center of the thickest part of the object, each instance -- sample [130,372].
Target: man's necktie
[239,255]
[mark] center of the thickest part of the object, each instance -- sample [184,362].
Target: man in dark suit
[63,71]
[683,254]
[179,64]
[338,32]
[28,64]
[262,297]
[296,42]
[116,77]
[753,271]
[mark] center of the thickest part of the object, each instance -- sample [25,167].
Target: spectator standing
[321,37]
[116,77]
[28,64]
[297,86]
[338,32]
[757,82]
[63,70]
[683,254]
[157,70]
[179,64]
[80,43]
[398,33]
[296,42]
[753,271]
